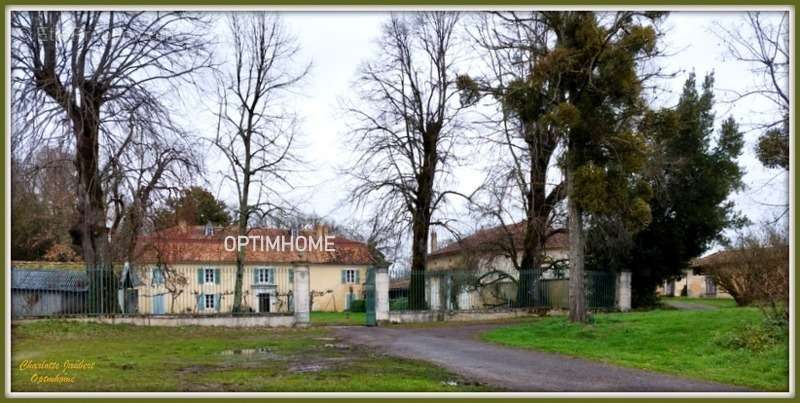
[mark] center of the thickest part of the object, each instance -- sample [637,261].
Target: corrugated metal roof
[48,280]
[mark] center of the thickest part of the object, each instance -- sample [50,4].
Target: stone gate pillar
[302,299]
[623,294]
[382,294]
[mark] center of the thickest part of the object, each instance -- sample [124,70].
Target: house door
[263,302]
[158,305]
[711,287]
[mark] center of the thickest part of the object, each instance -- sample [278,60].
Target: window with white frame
[210,301]
[350,276]
[264,276]
[208,276]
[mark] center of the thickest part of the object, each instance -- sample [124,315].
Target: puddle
[338,346]
[248,351]
[305,368]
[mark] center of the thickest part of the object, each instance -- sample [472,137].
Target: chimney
[182,226]
[321,230]
[434,242]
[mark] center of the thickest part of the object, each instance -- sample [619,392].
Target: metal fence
[150,290]
[458,289]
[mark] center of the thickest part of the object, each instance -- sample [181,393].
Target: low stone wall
[199,320]
[457,316]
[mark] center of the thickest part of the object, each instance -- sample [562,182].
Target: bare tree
[80,76]
[762,41]
[407,128]
[756,271]
[521,128]
[151,168]
[256,134]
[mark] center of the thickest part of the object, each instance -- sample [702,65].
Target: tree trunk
[537,214]
[91,229]
[421,222]
[577,297]
[240,258]
[419,251]
[531,261]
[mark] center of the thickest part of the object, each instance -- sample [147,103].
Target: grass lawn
[686,343]
[715,302]
[131,358]
[338,318]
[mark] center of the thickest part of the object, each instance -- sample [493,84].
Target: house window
[264,276]
[209,303]
[351,276]
[209,276]
[158,276]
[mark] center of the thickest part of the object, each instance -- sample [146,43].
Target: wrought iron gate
[369,289]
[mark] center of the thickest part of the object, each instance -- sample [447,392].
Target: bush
[358,305]
[756,271]
[398,304]
[754,338]
[60,252]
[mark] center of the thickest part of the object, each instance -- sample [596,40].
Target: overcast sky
[338,42]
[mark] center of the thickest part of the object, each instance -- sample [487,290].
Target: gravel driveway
[457,348]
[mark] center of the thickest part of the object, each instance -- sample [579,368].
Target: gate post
[623,294]
[382,293]
[302,303]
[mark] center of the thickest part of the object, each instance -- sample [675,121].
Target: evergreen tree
[692,170]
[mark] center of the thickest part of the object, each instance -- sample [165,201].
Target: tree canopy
[692,171]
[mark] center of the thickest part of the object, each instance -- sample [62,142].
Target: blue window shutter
[255,276]
[291,275]
[358,276]
[200,276]
[344,276]
[217,302]
[216,276]
[201,300]
[271,273]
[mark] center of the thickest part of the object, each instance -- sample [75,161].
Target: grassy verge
[130,358]
[338,318]
[715,302]
[719,345]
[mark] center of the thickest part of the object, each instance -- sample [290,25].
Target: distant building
[486,254]
[47,291]
[694,282]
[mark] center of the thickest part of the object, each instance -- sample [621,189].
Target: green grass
[686,343]
[131,358]
[338,318]
[715,302]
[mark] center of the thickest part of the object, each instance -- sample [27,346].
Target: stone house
[485,254]
[694,281]
[190,269]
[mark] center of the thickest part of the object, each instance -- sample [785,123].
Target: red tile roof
[189,244]
[494,240]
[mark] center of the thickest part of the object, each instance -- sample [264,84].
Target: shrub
[756,271]
[755,338]
[60,252]
[358,305]
[398,304]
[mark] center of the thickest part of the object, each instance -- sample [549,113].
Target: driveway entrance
[457,348]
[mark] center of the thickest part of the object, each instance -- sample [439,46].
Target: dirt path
[690,306]
[457,348]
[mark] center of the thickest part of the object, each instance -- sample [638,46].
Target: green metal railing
[459,289]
